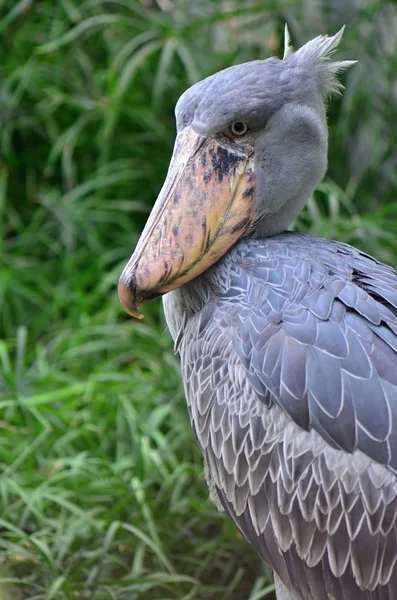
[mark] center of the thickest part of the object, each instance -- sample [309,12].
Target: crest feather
[316,56]
[288,49]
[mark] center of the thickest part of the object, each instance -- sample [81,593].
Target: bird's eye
[239,128]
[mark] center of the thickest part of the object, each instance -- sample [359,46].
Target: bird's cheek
[205,205]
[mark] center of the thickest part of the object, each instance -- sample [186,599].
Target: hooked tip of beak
[127,297]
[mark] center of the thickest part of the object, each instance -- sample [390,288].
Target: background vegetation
[101,487]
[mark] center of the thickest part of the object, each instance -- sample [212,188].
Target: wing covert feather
[329,358]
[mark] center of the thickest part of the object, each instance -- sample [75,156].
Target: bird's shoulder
[293,262]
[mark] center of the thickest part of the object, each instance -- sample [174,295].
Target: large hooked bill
[203,208]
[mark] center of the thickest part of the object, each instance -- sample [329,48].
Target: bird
[287,342]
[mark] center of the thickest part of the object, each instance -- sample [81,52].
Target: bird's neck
[182,303]
[278,221]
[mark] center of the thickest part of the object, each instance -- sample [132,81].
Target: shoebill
[288,343]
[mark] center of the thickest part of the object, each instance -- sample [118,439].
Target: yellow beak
[204,207]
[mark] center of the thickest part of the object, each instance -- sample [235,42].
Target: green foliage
[101,487]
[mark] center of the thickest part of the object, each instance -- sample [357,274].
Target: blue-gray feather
[288,361]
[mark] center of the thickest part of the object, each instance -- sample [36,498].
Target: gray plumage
[288,349]
[289,365]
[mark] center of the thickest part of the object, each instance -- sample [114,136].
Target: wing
[290,380]
[316,331]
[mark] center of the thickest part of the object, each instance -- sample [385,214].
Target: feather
[288,49]
[316,55]
[296,414]
[339,549]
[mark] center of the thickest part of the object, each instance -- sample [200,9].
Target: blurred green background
[101,487]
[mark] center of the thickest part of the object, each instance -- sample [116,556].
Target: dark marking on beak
[248,192]
[224,161]
[240,226]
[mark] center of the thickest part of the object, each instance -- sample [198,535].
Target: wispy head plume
[316,56]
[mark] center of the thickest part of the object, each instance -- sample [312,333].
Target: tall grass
[101,486]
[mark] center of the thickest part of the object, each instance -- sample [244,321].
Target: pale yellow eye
[239,128]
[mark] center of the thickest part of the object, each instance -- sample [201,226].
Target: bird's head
[251,147]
